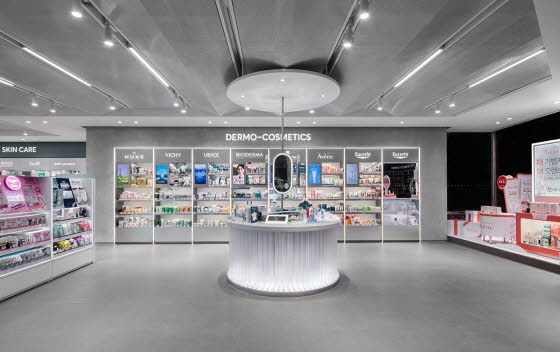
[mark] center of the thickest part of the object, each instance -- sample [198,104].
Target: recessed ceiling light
[402,122]
[379,108]
[364,9]
[135,122]
[76,14]
[311,111]
[209,122]
[27,121]
[282,80]
[242,95]
[119,122]
[183,111]
[347,38]
[52,109]
[175,104]
[322,95]
[108,39]
[6,82]
[23,139]
[25,134]
[34,102]
[226,122]
[509,118]
[437,111]
[557,102]
[112,107]
[498,122]
[314,122]
[298,122]
[44,121]
[247,108]
[508,67]
[52,64]
[419,67]
[452,104]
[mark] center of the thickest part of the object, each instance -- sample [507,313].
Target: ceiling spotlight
[314,122]
[108,39]
[402,122]
[148,66]
[45,121]
[364,9]
[27,121]
[23,139]
[282,80]
[437,110]
[347,39]
[52,64]
[323,96]
[52,109]
[119,122]
[509,119]
[247,108]
[175,104]
[6,82]
[183,111]
[112,106]
[508,67]
[298,122]
[419,67]
[452,102]
[25,134]
[34,101]
[76,11]
[311,111]
[242,96]
[226,122]
[379,108]
[209,122]
[380,104]
[135,122]
[498,122]
[557,102]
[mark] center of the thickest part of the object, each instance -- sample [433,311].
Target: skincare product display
[320,194]
[172,196]
[370,168]
[218,180]
[212,196]
[545,208]
[22,223]
[204,222]
[130,210]
[364,194]
[64,214]
[173,223]
[256,195]
[167,209]
[213,209]
[370,180]
[14,243]
[329,180]
[362,209]
[333,208]
[72,228]
[354,220]
[218,168]
[132,195]
[19,259]
[331,169]
[400,207]
[71,243]
[135,221]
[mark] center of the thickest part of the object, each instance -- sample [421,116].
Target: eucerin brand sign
[401,155]
[325,156]
[362,155]
[249,155]
[267,137]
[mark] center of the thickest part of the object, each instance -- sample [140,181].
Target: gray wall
[432,141]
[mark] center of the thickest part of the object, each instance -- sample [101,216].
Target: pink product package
[32,193]
[11,195]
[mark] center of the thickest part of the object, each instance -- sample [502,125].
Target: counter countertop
[290,227]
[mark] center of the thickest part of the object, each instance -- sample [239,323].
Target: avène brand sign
[401,155]
[267,137]
[325,156]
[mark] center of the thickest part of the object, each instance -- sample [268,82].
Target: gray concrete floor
[393,297]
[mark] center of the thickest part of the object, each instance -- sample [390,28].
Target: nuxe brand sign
[248,155]
[267,137]
[401,155]
[173,155]
[362,155]
[211,155]
[133,156]
[325,156]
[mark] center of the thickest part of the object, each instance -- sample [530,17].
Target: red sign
[501,181]
[13,183]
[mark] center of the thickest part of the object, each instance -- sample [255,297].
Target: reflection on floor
[393,297]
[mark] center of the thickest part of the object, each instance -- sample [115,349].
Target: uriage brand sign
[400,155]
[267,137]
[211,155]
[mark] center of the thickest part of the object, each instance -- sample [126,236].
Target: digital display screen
[352,174]
[200,174]
[314,174]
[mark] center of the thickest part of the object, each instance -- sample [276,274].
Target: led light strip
[419,67]
[6,82]
[52,64]
[508,67]
[148,66]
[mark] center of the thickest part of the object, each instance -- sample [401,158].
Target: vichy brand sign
[173,155]
[362,155]
[402,155]
[267,137]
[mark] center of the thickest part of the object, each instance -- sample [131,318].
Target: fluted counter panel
[283,260]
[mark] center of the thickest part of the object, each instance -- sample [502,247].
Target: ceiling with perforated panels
[198,47]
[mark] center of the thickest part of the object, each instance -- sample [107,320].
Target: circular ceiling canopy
[302,90]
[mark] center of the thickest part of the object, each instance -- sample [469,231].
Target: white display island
[292,259]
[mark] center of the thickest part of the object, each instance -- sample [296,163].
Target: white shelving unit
[35,261]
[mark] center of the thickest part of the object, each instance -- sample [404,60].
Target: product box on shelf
[539,233]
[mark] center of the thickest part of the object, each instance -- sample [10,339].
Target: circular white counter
[283,259]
